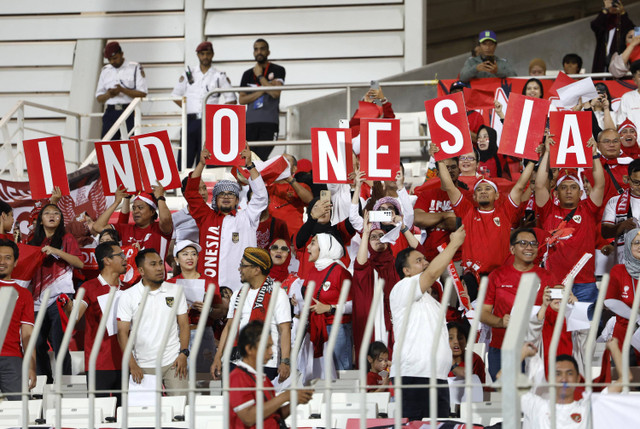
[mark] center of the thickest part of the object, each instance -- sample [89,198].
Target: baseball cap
[111,49]
[204,46]
[183,244]
[458,85]
[487,35]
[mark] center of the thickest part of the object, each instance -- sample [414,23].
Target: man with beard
[112,263]
[503,286]
[157,310]
[263,106]
[195,83]
[225,232]
[489,223]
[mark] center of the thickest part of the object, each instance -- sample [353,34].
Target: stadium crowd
[499,216]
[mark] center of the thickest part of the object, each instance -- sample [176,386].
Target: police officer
[195,83]
[120,82]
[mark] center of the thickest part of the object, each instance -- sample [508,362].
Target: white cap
[182,244]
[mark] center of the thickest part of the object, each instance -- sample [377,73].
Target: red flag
[29,260]
[523,127]
[476,99]
[368,110]
[271,170]
[572,131]
[560,81]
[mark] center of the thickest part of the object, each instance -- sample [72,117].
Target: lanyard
[264,73]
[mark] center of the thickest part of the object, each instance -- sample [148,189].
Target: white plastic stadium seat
[107,405]
[482,412]
[11,412]
[146,416]
[177,403]
[343,412]
[73,417]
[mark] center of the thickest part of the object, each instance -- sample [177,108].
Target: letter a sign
[226,133]
[448,126]
[45,166]
[380,148]
[331,154]
[572,131]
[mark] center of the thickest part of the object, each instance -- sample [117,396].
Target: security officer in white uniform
[195,83]
[120,82]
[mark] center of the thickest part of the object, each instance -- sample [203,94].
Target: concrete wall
[551,45]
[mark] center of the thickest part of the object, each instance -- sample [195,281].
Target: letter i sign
[45,166]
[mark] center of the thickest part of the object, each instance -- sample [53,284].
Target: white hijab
[330,251]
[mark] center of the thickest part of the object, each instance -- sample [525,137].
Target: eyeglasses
[634,182]
[282,248]
[467,158]
[635,243]
[246,265]
[121,254]
[374,237]
[226,194]
[525,243]
[609,141]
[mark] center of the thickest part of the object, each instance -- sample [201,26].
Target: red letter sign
[380,148]
[572,131]
[46,166]
[448,126]
[118,163]
[157,163]
[226,130]
[523,128]
[331,154]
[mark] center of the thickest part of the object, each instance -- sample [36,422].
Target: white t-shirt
[537,414]
[282,314]
[416,351]
[629,108]
[609,216]
[153,322]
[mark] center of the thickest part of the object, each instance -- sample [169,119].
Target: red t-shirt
[437,201]
[617,170]
[194,315]
[110,356]
[241,399]
[271,229]
[22,315]
[284,204]
[487,244]
[150,237]
[478,368]
[567,252]
[501,294]
[328,291]
[622,287]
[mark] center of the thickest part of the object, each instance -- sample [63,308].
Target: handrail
[363,352]
[330,347]
[593,333]
[62,351]
[93,357]
[626,345]
[262,347]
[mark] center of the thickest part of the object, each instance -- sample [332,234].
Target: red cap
[627,124]
[304,165]
[111,49]
[204,46]
[147,198]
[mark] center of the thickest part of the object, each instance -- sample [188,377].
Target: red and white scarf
[622,212]
[260,305]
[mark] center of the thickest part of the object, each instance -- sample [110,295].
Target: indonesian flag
[30,259]
[271,170]
[477,99]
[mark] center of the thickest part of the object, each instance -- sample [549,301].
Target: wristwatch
[596,156]
[161,198]
[286,361]
[185,352]
[333,309]
[250,166]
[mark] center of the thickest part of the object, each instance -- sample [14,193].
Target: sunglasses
[282,248]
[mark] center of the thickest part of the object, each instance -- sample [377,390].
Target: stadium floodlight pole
[62,351]
[553,350]
[331,345]
[93,357]
[295,350]
[433,380]
[232,334]
[126,355]
[195,349]
[468,353]
[363,352]
[626,345]
[510,356]
[26,361]
[170,325]
[262,347]
[593,333]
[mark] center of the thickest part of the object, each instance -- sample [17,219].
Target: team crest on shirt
[326,286]
[235,237]
[577,218]
[576,417]
[496,220]
[625,292]
[169,301]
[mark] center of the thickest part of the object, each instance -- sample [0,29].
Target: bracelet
[293,180]
[286,361]
[596,156]
[161,198]
[405,229]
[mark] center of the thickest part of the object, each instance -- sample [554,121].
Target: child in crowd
[378,363]
[458,335]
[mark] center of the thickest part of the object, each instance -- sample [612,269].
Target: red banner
[380,148]
[523,128]
[226,133]
[156,160]
[448,126]
[331,154]
[572,131]
[118,161]
[46,166]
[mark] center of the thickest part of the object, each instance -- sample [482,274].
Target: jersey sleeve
[232,305]
[182,306]
[240,399]
[181,87]
[245,81]
[613,291]
[197,206]
[27,316]
[462,206]
[609,213]
[283,308]
[101,89]
[490,299]
[125,309]
[279,74]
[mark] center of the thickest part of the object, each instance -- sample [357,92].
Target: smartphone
[325,195]
[458,223]
[556,293]
[375,85]
[380,216]
[490,58]
[383,374]
[636,31]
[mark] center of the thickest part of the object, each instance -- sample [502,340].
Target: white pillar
[415,34]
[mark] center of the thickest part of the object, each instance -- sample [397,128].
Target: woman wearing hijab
[489,162]
[328,274]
